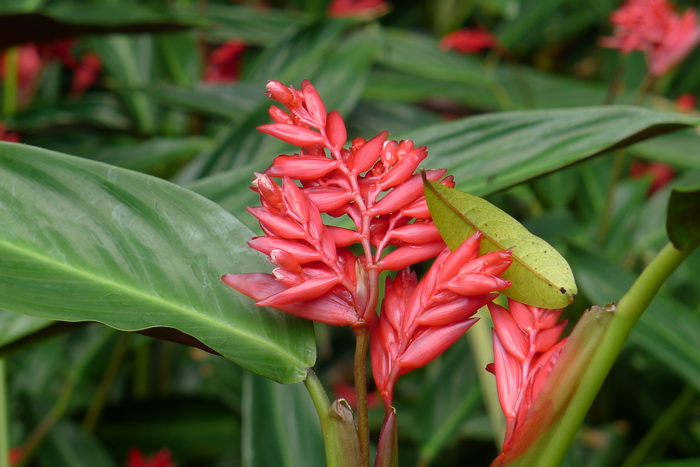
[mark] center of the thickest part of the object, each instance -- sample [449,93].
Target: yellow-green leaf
[540,276]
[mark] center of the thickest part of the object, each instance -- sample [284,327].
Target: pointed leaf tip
[540,276]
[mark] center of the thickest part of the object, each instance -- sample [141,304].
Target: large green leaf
[85,241]
[540,276]
[14,326]
[491,152]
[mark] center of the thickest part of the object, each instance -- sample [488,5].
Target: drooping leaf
[488,153]
[683,220]
[540,276]
[85,241]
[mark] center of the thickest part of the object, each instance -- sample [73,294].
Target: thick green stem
[4,417]
[628,312]
[361,346]
[337,426]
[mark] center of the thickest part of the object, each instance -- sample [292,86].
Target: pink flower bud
[460,258]
[307,290]
[328,198]
[314,104]
[296,135]
[277,224]
[410,254]
[458,309]
[302,253]
[416,233]
[335,129]
[279,92]
[302,167]
[284,260]
[403,169]
[364,158]
[269,191]
[296,203]
[476,284]
[342,236]
[404,194]
[280,116]
[432,342]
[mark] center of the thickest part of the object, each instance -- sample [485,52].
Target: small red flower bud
[279,92]
[314,104]
[335,129]
[280,116]
[364,158]
[302,167]
[296,135]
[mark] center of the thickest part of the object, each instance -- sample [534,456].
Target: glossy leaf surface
[85,241]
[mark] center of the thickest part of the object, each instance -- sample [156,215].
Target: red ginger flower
[357,8]
[224,63]
[162,458]
[468,41]
[653,27]
[317,276]
[420,320]
[526,345]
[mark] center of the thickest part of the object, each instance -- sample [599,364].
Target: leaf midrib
[150,298]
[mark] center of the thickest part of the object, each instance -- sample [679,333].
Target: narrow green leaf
[280,425]
[488,153]
[683,221]
[85,241]
[540,276]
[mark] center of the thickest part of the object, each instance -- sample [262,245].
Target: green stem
[9,89]
[628,312]
[4,417]
[361,346]
[663,428]
[337,426]
[318,397]
[98,401]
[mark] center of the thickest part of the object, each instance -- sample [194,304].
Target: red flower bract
[653,27]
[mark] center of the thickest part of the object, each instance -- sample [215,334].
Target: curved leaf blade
[540,276]
[492,152]
[684,218]
[85,241]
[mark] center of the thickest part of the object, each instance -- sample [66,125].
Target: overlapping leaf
[85,241]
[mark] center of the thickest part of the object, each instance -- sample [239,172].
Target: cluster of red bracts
[317,276]
[420,320]
[526,345]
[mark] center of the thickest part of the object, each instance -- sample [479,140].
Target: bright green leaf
[85,241]
[540,276]
[683,221]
